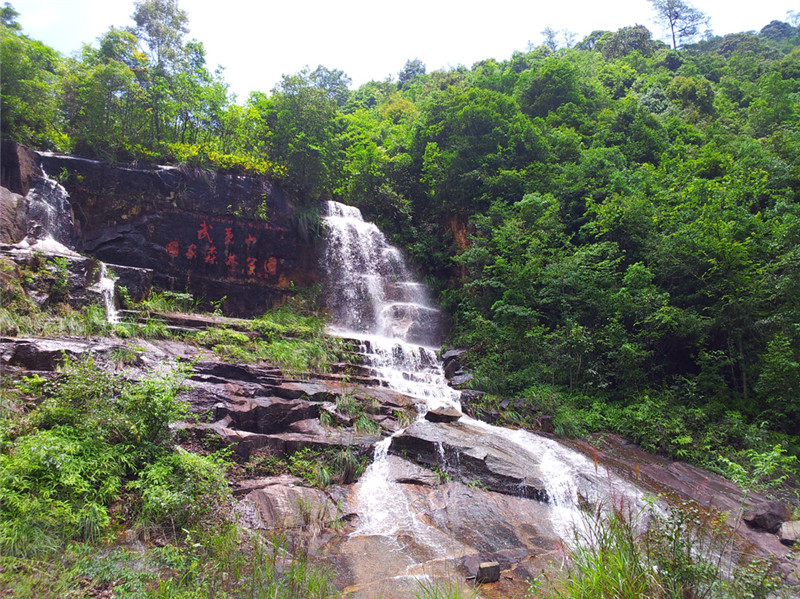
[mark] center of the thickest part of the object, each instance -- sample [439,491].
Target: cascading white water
[107,287]
[570,478]
[49,211]
[374,300]
[51,231]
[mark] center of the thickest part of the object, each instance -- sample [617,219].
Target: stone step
[347,368]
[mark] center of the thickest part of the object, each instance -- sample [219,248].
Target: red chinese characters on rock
[211,255]
[173,249]
[251,266]
[239,257]
[271,265]
[204,232]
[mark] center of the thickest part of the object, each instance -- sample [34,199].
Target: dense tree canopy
[617,221]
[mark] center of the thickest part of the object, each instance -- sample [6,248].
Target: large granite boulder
[452,447]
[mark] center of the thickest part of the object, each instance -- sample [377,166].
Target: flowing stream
[51,231]
[375,301]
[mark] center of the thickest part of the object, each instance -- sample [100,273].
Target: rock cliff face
[214,235]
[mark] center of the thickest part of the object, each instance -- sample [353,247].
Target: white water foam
[570,478]
[375,301]
[107,286]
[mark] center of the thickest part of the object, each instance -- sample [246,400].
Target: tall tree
[683,20]
[550,36]
[161,25]
[8,17]
[412,69]
[334,82]
[29,87]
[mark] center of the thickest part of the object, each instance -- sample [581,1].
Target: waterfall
[375,301]
[107,287]
[571,478]
[49,211]
[51,231]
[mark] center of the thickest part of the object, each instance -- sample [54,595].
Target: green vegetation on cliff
[95,466]
[612,226]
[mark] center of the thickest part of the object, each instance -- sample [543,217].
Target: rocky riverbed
[443,497]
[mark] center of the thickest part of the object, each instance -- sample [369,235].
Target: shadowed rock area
[215,235]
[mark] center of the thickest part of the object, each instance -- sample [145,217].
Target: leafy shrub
[170,301]
[206,156]
[88,441]
[179,488]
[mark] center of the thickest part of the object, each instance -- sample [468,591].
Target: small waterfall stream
[107,287]
[374,300]
[50,212]
[51,231]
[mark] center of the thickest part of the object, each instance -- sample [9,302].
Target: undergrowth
[291,337]
[88,463]
[317,467]
[680,554]
[292,341]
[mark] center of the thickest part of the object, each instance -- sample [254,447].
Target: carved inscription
[220,243]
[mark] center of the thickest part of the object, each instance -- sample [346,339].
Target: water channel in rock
[374,300]
[51,232]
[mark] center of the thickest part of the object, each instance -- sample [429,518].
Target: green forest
[612,224]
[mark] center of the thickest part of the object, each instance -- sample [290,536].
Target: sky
[258,41]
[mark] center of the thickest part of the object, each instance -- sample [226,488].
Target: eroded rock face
[789,532]
[47,354]
[766,515]
[497,466]
[286,502]
[443,414]
[18,168]
[13,221]
[438,531]
[215,235]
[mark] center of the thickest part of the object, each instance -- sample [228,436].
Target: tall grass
[438,588]
[682,554]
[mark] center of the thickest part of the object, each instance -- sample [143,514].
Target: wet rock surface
[438,531]
[443,414]
[681,482]
[453,446]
